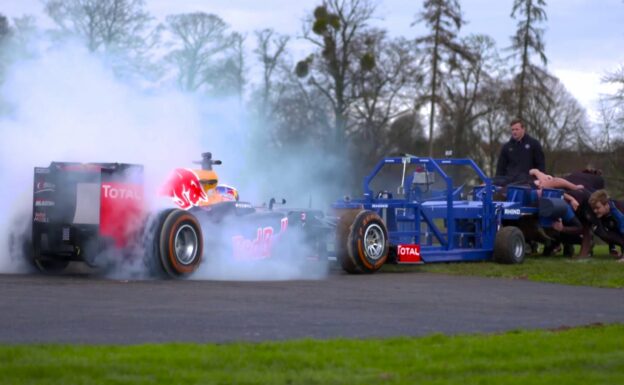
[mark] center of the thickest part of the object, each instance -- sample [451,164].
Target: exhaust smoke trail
[66,105]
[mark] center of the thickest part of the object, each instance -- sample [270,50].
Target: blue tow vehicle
[430,217]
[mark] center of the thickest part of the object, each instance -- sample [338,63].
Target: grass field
[600,270]
[589,355]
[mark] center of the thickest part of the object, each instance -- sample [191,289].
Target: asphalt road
[84,309]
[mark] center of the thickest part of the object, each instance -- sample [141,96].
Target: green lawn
[589,355]
[600,271]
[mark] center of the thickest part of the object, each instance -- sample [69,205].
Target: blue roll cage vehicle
[422,225]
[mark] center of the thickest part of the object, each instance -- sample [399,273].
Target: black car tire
[509,246]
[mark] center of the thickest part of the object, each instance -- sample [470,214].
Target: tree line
[359,94]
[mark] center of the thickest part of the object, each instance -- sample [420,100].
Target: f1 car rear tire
[366,245]
[50,266]
[509,246]
[180,243]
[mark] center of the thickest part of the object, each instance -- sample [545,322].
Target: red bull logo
[259,248]
[185,189]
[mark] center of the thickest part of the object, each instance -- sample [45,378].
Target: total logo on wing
[409,254]
[122,191]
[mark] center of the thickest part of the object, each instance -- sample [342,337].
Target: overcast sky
[584,38]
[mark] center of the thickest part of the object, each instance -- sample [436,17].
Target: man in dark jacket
[518,156]
[607,218]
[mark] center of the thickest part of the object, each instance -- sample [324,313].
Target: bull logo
[185,189]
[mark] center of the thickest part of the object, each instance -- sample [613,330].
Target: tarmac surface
[91,310]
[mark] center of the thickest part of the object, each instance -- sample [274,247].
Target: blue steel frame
[405,217]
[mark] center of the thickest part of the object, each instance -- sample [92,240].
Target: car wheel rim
[186,244]
[518,250]
[374,242]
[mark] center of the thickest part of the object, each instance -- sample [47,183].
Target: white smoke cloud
[66,105]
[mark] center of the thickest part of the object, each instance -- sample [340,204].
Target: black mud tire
[367,244]
[179,243]
[509,246]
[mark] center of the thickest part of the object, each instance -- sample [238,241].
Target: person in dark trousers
[578,186]
[518,156]
[607,219]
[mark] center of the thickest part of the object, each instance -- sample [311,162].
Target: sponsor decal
[42,170]
[260,247]
[408,253]
[379,205]
[41,217]
[42,186]
[512,212]
[43,203]
[186,189]
[227,193]
[121,192]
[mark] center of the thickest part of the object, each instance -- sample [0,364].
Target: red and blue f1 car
[96,213]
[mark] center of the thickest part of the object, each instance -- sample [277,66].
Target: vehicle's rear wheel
[509,246]
[180,243]
[50,266]
[366,243]
[45,265]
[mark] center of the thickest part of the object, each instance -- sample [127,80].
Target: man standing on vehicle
[518,156]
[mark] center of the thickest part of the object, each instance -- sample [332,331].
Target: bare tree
[227,76]
[200,42]
[557,121]
[333,29]
[616,101]
[270,51]
[496,96]
[103,24]
[444,19]
[462,104]
[528,41]
[383,84]
[5,30]
[120,28]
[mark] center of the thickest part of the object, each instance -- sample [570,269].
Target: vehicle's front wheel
[509,246]
[366,245]
[180,243]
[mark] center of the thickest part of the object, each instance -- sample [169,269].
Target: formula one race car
[96,213]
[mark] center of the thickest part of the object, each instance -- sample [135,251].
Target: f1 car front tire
[365,247]
[180,243]
[173,244]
